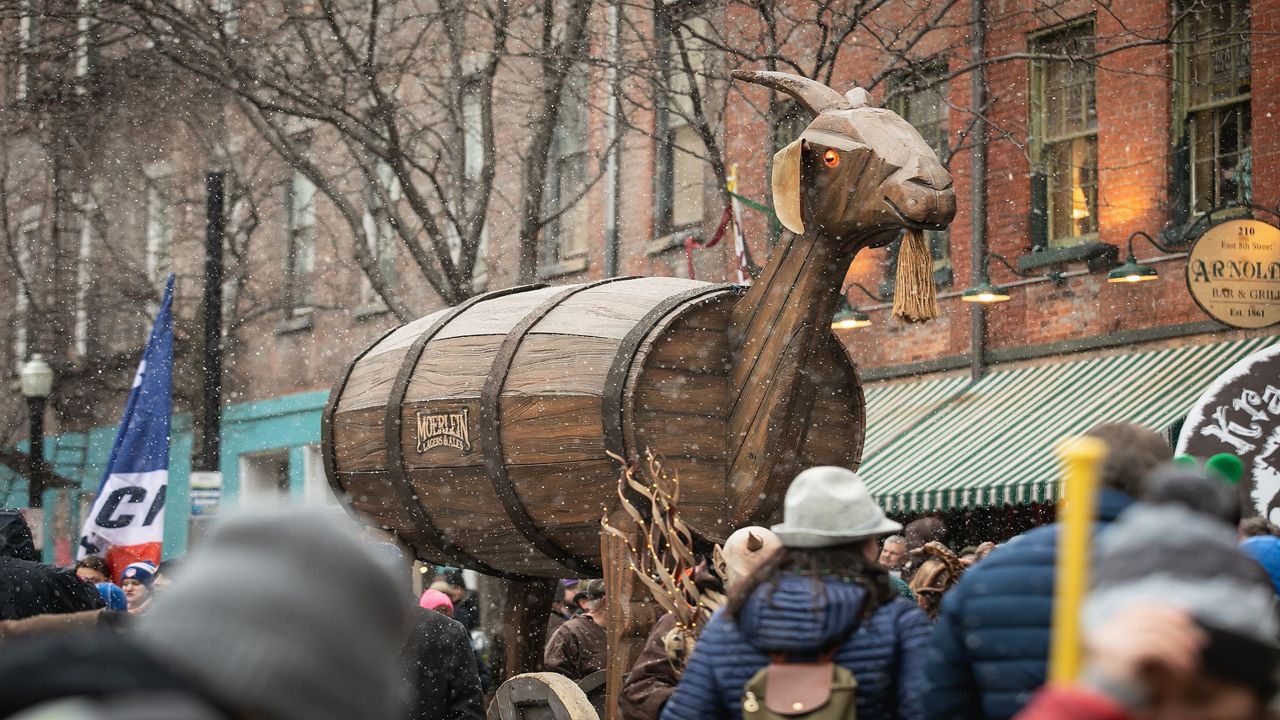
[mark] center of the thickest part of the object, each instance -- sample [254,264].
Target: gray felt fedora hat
[829,505]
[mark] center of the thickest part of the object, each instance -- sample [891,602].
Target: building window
[679,168]
[28,241]
[28,42]
[86,39]
[920,97]
[379,232]
[472,167]
[84,275]
[300,240]
[316,489]
[1064,130]
[1216,84]
[264,478]
[565,234]
[227,13]
[159,229]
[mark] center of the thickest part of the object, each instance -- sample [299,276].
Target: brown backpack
[818,690]
[784,690]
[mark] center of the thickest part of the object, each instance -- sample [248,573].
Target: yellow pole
[1082,460]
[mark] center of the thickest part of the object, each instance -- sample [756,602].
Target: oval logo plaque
[1233,273]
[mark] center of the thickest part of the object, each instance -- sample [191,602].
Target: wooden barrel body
[480,433]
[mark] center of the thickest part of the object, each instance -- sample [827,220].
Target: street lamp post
[37,382]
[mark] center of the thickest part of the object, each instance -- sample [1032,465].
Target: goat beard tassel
[914,297]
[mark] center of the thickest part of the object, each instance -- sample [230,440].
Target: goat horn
[754,543]
[813,95]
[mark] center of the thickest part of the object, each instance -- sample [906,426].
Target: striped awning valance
[994,441]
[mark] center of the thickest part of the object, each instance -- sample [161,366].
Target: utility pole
[211,427]
[978,185]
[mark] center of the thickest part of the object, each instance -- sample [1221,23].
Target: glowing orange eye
[831,158]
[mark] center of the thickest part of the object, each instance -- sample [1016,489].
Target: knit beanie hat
[113,596]
[1173,555]
[1199,488]
[285,615]
[435,600]
[1265,550]
[143,572]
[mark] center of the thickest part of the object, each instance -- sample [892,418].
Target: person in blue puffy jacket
[990,648]
[824,589]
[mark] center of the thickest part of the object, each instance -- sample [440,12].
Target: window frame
[668,122]
[300,235]
[158,210]
[1183,181]
[380,234]
[82,330]
[567,149]
[931,72]
[1041,145]
[28,235]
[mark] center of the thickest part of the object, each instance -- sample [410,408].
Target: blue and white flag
[127,521]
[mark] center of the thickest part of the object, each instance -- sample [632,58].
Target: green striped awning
[894,406]
[994,442]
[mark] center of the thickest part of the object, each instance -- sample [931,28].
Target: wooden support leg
[631,612]
[528,607]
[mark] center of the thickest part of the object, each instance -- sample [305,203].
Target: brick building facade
[1101,122]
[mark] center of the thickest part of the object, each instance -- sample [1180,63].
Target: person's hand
[1144,645]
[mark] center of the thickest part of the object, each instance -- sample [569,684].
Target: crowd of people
[838,611]
[1181,621]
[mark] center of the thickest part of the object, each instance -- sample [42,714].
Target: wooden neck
[776,328]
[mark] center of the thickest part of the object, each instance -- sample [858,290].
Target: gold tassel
[914,297]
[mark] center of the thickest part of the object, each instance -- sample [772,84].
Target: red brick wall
[1134,91]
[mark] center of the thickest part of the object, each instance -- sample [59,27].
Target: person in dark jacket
[655,673]
[990,646]
[441,669]
[579,647]
[29,587]
[824,590]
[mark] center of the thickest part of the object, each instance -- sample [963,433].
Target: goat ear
[858,97]
[786,186]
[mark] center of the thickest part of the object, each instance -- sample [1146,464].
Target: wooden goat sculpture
[479,433]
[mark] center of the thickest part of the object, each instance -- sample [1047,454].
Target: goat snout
[921,205]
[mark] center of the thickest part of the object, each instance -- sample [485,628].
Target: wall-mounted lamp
[848,317]
[1131,271]
[986,293]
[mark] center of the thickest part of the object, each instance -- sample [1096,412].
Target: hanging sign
[1240,414]
[1233,273]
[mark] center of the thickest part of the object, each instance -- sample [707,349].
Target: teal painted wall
[289,423]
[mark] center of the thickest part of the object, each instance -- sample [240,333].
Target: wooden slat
[358,441]
[496,316]
[452,369]
[551,429]
[464,507]
[371,495]
[566,493]
[401,338]
[672,391]
[611,310]
[560,364]
[369,384]
[691,351]
[681,434]
[421,548]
